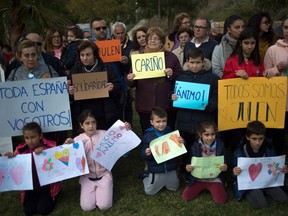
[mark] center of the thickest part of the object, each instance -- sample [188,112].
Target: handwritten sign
[109,50]
[116,142]
[16,173]
[5,145]
[61,162]
[206,167]
[150,65]
[261,172]
[191,95]
[167,147]
[90,85]
[45,101]
[241,101]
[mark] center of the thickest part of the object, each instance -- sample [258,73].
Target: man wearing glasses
[99,28]
[201,39]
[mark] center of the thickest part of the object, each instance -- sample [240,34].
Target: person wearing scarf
[233,26]
[155,91]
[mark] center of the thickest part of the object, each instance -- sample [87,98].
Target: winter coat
[188,119]
[153,166]
[155,91]
[22,148]
[232,66]
[239,152]
[196,151]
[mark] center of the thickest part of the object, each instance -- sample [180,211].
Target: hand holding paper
[207,167]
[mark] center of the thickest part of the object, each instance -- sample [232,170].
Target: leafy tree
[18,16]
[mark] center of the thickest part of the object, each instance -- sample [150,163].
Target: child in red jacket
[41,199]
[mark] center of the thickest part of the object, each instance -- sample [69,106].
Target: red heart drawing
[254,170]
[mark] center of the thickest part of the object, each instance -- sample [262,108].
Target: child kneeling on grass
[206,146]
[40,200]
[255,146]
[163,174]
[97,185]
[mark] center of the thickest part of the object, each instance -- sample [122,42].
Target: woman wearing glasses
[54,42]
[181,20]
[155,91]
[27,54]
[262,24]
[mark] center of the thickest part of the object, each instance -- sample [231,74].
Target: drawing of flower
[47,165]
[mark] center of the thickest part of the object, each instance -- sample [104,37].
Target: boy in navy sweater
[163,174]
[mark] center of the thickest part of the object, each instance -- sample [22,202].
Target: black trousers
[38,201]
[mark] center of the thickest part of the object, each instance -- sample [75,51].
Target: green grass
[130,199]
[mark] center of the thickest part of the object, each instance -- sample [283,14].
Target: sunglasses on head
[101,27]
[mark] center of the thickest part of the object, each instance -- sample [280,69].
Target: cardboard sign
[90,85]
[167,147]
[109,50]
[206,167]
[16,173]
[241,101]
[45,101]
[261,172]
[61,162]
[191,95]
[116,142]
[150,65]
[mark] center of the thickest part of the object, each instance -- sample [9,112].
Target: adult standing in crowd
[139,40]
[122,68]
[276,64]
[104,109]
[99,28]
[184,35]
[215,32]
[262,24]
[53,43]
[201,39]
[155,91]
[43,58]
[181,20]
[233,27]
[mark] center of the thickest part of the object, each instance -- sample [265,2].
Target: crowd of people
[194,53]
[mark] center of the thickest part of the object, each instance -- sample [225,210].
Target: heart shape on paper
[254,170]
[80,163]
[17,174]
[2,176]
[63,156]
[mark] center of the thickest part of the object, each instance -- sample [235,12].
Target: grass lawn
[130,199]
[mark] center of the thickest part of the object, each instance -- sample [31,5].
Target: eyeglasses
[153,39]
[200,27]
[285,27]
[101,27]
[37,43]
